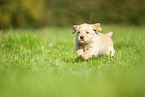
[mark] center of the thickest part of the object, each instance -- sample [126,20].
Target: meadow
[43,63]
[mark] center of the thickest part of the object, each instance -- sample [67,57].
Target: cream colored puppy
[89,42]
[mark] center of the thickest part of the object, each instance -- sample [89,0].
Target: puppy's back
[105,41]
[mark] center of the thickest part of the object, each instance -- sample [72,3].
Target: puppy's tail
[109,34]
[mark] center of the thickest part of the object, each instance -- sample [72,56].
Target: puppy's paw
[84,56]
[79,55]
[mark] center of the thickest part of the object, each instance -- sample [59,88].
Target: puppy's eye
[87,32]
[78,32]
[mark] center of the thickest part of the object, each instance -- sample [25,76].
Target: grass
[43,62]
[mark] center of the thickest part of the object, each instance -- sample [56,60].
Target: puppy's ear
[97,27]
[74,28]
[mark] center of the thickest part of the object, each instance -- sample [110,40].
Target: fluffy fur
[89,42]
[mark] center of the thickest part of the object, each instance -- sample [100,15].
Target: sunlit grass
[43,62]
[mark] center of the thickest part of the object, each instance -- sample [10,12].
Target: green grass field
[43,63]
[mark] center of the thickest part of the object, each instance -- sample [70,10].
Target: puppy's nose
[81,37]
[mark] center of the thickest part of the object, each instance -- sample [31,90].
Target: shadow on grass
[80,60]
[73,59]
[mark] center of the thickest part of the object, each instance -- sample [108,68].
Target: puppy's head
[85,32]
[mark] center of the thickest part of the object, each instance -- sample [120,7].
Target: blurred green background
[43,63]
[38,13]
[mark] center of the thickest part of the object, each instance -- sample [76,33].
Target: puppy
[89,42]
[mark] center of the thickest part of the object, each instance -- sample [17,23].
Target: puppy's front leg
[79,50]
[89,53]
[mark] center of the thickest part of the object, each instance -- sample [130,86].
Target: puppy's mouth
[82,41]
